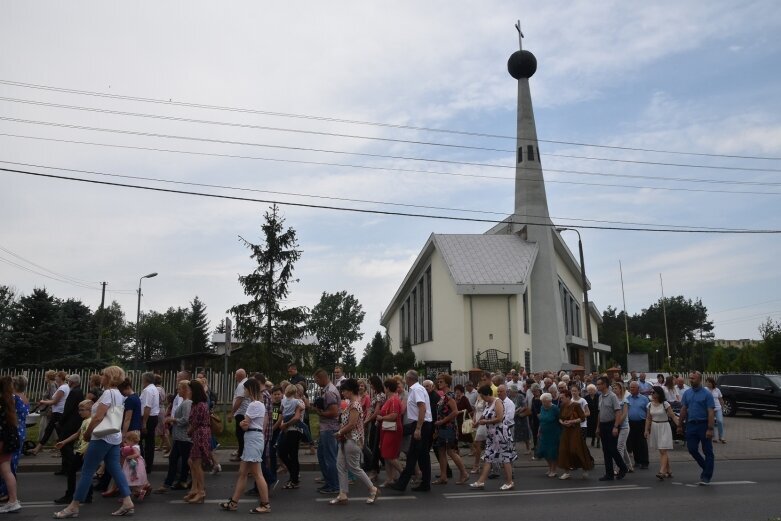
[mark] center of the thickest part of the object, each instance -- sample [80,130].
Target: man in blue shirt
[638,410]
[646,387]
[697,413]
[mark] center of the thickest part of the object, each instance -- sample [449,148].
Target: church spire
[531,203]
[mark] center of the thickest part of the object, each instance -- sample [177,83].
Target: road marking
[544,492]
[714,483]
[379,498]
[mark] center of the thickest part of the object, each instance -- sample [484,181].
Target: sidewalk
[747,439]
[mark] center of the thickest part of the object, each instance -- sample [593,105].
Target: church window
[530,152]
[416,312]
[526,311]
[520,155]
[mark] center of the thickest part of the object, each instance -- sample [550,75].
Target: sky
[690,77]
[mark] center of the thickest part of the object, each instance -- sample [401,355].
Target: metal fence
[220,383]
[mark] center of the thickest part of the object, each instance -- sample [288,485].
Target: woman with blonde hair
[57,404]
[290,429]
[103,448]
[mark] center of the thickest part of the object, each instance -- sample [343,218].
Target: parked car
[755,393]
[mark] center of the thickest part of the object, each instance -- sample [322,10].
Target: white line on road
[542,492]
[361,499]
[714,483]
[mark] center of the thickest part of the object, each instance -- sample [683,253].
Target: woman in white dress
[657,430]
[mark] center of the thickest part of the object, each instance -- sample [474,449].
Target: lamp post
[138,317]
[589,337]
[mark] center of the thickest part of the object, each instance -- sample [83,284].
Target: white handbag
[112,421]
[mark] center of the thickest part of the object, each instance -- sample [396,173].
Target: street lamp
[138,316]
[589,337]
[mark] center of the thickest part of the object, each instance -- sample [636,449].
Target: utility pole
[100,319]
[664,313]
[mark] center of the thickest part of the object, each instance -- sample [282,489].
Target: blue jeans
[98,451]
[720,423]
[695,436]
[327,450]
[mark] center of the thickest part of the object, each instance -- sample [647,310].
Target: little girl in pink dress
[133,466]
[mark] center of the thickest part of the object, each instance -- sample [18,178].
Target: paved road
[746,490]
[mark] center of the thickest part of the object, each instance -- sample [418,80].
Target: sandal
[290,485]
[439,482]
[373,496]
[124,512]
[338,501]
[477,485]
[66,514]
[230,505]
[660,476]
[463,481]
[264,508]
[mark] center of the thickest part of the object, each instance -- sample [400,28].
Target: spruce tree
[263,319]
[200,324]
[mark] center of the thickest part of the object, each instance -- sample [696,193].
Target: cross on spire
[520,34]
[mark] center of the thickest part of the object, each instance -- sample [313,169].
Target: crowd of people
[107,436]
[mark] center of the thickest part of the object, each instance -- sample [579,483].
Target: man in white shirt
[150,410]
[421,427]
[471,392]
[339,376]
[239,408]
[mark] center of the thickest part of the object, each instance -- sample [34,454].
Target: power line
[377,212]
[42,274]
[61,275]
[748,317]
[383,139]
[361,122]
[406,170]
[746,306]
[346,199]
[365,154]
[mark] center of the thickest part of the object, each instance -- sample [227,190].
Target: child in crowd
[134,466]
[276,407]
[76,457]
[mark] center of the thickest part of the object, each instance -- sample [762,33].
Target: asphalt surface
[745,490]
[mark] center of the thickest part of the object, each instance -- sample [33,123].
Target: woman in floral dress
[498,442]
[200,433]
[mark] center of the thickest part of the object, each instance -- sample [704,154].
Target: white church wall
[491,322]
[451,340]
[573,283]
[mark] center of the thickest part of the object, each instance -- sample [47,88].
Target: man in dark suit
[71,420]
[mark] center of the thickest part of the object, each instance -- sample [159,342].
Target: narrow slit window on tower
[520,154]
[530,152]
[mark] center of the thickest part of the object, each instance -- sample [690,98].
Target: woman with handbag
[465,435]
[104,435]
[351,438]
[446,443]
[391,433]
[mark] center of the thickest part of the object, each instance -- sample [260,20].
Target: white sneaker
[10,508]
[566,475]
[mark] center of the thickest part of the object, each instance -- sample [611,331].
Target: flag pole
[664,313]
[623,296]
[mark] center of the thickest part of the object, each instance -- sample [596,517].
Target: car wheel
[757,414]
[730,409]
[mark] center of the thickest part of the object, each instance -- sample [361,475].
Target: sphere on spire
[522,64]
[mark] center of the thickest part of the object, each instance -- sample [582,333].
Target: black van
[756,393]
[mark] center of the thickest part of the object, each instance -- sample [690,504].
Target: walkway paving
[748,438]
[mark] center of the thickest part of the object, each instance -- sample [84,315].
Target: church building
[516,289]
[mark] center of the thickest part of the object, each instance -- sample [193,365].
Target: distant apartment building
[740,344]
